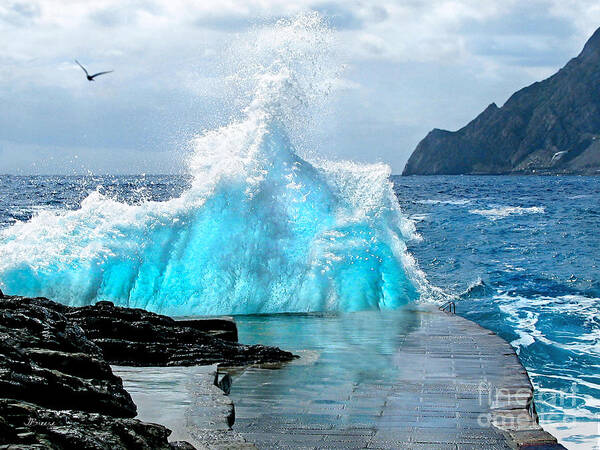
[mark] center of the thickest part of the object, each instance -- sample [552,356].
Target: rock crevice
[57,389]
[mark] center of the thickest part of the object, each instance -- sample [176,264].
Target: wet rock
[56,388]
[29,425]
[223,382]
[46,359]
[182,445]
[135,337]
[223,328]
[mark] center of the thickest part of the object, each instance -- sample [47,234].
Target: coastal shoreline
[62,348]
[448,383]
[57,389]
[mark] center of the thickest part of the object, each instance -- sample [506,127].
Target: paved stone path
[185,400]
[453,380]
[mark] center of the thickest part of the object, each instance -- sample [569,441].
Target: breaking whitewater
[260,228]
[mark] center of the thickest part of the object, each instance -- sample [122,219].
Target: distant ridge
[552,126]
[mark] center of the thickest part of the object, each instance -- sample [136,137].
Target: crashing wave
[260,229]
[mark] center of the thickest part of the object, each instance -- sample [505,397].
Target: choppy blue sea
[520,254]
[523,255]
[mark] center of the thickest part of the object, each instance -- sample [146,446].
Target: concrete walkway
[458,386]
[185,400]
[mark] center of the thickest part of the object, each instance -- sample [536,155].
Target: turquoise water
[518,253]
[259,226]
[263,231]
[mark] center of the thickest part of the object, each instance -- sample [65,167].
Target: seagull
[91,77]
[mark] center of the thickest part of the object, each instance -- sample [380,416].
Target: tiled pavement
[420,379]
[452,379]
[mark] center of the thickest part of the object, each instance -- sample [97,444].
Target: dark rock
[135,337]
[127,336]
[46,359]
[552,126]
[223,328]
[223,382]
[8,433]
[57,391]
[30,425]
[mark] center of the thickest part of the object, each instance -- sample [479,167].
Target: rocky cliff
[58,391]
[552,126]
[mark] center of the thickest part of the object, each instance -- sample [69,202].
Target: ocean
[518,254]
[263,225]
[522,256]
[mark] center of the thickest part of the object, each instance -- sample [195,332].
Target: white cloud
[413,64]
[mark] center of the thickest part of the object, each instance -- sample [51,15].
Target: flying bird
[91,77]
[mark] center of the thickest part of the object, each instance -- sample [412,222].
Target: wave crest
[259,230]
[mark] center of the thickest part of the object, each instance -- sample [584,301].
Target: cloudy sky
[410,66]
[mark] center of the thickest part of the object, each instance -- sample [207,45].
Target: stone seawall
[450,384]
[506,388]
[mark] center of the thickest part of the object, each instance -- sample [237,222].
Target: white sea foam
[566,412]
[457,202]
[260,229]
[419,217]
[501,212]
[524,314]
[577,435]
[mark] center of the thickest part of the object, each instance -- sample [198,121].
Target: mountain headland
[550,127]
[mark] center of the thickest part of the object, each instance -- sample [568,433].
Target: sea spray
[260,229]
